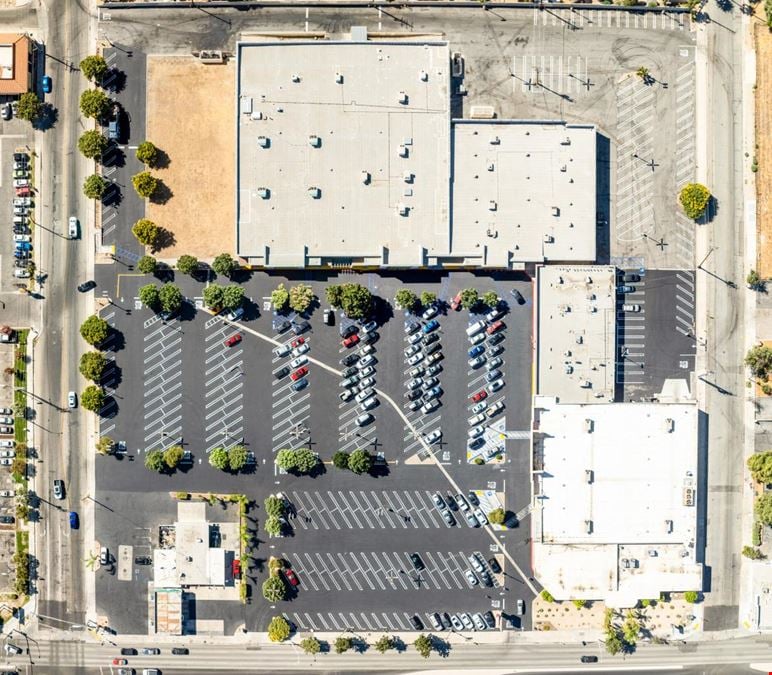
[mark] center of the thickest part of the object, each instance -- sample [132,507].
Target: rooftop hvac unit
[264,192]
[564,168]
[548,239]
[669,526]
[295,77]
[246,105]
[567,352]
[211,56]
[588,526]
[339,78]
[579,339]
[588,475]
[495,140]
[589,425]
[588,280]
[263,141]
[568,369]
[257,115]
[314,141]
[566,141]
[402,209]
[402,97]
[423,76]
[408,176]
[491,205]
[555,210]
[314,192]
[491,166]
[669,425]
[585,384]
[591,309]
[402,150]
[365,177]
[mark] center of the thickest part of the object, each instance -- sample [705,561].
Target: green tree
[356,301]
[105,445]
[93,67]
[173,456]
[754,280]
[547,596]
[334,295]
[311,645]
[301,460]
[490,299]
[147,153]
[94,186]
[497,516]
[145,184]
[630,628]
[213,296]
[643,73]
[149,296]
[237,457]
[691,596]
[224,265]
[274,506]
[752,553]
[579,603]
[428,298]
[187,264]
[406,299]
[146,232]
[154,460]
[279,298]
[274,526]
[340,459]
[423,645]
[170,296]
[93,398]
[301,297]
[760,466]
[219,459]
[360,461]
[469,298]
[613,643]
[232,296]
[694,198]
[29,107]
[92,365]
[759,360]
[19,468]
[343,644]
[274,589]
[94,103]
[384,644]
[92,144]
[278,629]
[94,330]
[147,264]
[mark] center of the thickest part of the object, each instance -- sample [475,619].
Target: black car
[299,327]
[87,286]
[451,503]
[282,372]
[589,659]
[496,338]
[490,620]
[7,520]
[414,394]
[346,331]
[494,565]
[180,651]
[329,317]
[433,348]
[445,620]
[6,111]
[417,562]
[631,278]
[20,157]
[351,370]
[128,651]
[350,360]
[518,296]
[472,497]
[143,560]
[416,622]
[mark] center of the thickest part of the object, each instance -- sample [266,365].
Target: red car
[120,662]
[233,340]
[496,325]
[455,304]
[23,192]
[479,396]
[351,340]
[291,578]
[300,372]
[297,342]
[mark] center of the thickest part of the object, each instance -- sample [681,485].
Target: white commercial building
[347,156]
[615,494]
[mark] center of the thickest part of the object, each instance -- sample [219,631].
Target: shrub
[340,459]
[92,144]
[104,445]
[547,596]
[275,506]
[145,184]
[760,466]
[579,603]
[280,298]
[232,296]
[154,460]
[311,645]
[356,301]
[278,629]
[213,296]
[219,459]
[301,297]
[334,295]
[93,398]
[147,264]
[756,534]
[753,280]
[224,265]
[752,553]
[274,589]
[691,596]
[469,298]
[490,299]
[147,153]
[497,516]
[187,264]
[301,460]
[423,645]
[173,456]
[237,457]
[343,644]
[694,199]
[94,186]
[384,643]
[274,526]
[406,299]
[146,232]
[759,360]
[428,298]
[360,461]
[170,297]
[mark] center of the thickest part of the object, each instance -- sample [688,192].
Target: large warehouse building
[347,156]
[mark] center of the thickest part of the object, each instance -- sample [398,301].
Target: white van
[73,227]
[475,328]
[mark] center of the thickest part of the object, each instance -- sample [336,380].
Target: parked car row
[359,369]
[22,207]
[422,355]
[468,507]
[460,621]
[297,348]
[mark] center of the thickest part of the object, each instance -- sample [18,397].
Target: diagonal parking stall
[224,381]
[290,409]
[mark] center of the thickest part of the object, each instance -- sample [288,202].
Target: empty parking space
[224,372]
[290,407]
[162,384]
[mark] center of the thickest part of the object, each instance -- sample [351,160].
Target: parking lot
[17,204]
[227,395]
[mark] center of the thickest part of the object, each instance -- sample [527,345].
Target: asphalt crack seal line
[414,431]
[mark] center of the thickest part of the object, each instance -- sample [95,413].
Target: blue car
[47,84]
[23,246]
[475,351]
[74,523]
[432,325]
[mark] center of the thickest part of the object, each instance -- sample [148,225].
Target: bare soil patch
[764,151]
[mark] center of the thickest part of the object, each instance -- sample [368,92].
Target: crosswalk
[552,14]
[224,382]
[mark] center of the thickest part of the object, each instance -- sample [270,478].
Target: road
[61,434]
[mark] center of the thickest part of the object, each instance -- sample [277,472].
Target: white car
[299,361]
[472,579]
[22,237]
[493,364]
[300,349]
[493,315]
[411,327]
[429,406]
[481,516]
[495,409]
[476,419]
[7,444]
[433,437]
[476,362]
[6,493]
[429,313]
[430,382]
[367,349]
[411,350]
[495,385]
[369,403]
[6,462]
[368,360]
[363,395]
[364,420]
[366,383]
[416,372]
[415,338]
[235,314]
[631,308]
[477,339]
[22,201]
[6,420]
[366,372]
[6,411]
[479,407]
[416,358]
[72,400]
[474,432]
[414,405]
[415,383]
[7,453]
[282,350]
[20,182]
[72,227]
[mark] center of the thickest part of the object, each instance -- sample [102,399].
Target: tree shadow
[724,5]
[112,375]
[442,647]
[162,193]
[399,645]
[112,195]
[359,645]
[109,408]
[164,273]
[47,119]
[114,80]
[166,239]
[241,276]
[114,156]
[203,274]
[711,210]
[162,159]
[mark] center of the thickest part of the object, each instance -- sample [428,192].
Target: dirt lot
[764,150]
[197,134]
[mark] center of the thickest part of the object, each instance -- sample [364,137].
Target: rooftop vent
[495,140]
[402,209]
[491,166]
[402,150]
[314,141]
[588,526]
[579,339]
[295,77]
[423,76]
[402,97]
[263,141]
[408,176]
[588,473]
[365,177]
[555,210]
[339,78]
[314,192]
[548,239]
[566,141]
[491,205]
[669,425]
[589,425]
[264,192]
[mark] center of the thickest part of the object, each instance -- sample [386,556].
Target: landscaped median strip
[410,426]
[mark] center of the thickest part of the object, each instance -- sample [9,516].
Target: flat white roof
[615,484]
[524,190]
[343,152]
[576,332]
